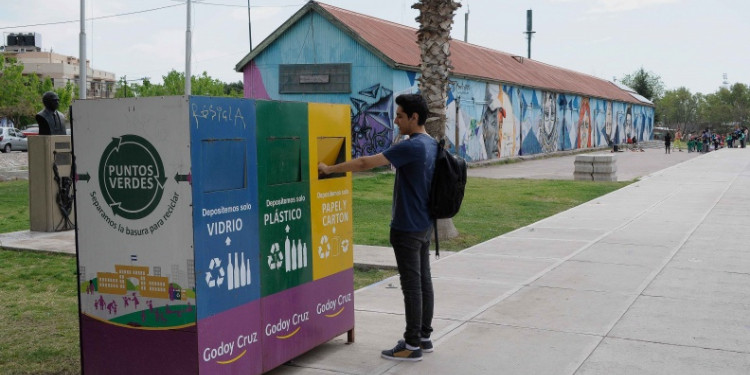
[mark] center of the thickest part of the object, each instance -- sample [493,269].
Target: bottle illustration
[230,273]
[236,271]
[287,256]
[243,280]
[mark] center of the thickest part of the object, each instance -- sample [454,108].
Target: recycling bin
[207,243]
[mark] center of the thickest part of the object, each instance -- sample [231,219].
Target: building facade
[61,69]
[499,105]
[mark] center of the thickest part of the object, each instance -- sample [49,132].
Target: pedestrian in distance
[667,142]
[411,224]
[678,140]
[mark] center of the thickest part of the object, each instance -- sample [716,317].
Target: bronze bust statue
[50,120]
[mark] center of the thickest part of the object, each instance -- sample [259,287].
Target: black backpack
[447,188]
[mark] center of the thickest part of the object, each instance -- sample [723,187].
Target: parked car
[12,139]
[34,130]
[31,130]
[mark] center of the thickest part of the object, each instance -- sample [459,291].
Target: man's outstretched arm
[357,165]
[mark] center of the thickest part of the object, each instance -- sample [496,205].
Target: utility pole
[466,25]
[529,32]
[83,69]
[188,46]
[249,26]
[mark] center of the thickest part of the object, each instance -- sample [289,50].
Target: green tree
[678,109]
[645,83]
[727,108]
[234,89]
[66,94]
[174,84]
[19,98]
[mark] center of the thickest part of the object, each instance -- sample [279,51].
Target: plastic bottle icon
[287,249]
[236,271]
[249,278]
[294,256]
[243,276]
[304,255]
[230,273]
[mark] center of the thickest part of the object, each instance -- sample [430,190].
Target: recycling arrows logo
[276,258]
[324,250]
[215,264]
[131,176]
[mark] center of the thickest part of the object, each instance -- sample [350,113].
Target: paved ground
[14,165]
[651,279]
[630,165]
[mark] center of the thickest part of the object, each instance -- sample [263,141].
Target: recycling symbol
[324,252]
[276,258]
[131,176]
[213,265]
[345,245]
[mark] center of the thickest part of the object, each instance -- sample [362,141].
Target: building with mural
[499,105]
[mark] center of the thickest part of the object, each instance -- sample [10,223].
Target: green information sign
[284,196]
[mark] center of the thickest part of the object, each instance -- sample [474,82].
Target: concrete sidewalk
[651,279]
[630,165]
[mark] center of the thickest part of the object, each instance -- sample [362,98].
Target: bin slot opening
[331,151]
[223,164]
[284,160]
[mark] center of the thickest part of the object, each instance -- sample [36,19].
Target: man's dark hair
[411,103]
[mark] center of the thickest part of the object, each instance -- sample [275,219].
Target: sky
[688,43]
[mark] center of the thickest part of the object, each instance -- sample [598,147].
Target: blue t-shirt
[414,160]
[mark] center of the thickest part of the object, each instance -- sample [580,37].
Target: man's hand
[322,169]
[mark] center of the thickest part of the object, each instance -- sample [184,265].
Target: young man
[411,225]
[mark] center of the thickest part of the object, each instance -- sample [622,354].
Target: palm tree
[434,35]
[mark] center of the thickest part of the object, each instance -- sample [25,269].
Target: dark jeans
[413,259]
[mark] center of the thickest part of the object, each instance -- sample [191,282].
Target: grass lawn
[38,302]
[490,207]
[14,206]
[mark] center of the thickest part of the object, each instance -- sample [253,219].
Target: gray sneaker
[424,344]
[401,353]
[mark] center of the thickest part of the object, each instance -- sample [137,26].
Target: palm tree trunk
[434,36]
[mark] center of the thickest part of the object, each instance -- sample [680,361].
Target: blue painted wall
[493,120]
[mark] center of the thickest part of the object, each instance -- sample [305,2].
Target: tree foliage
[722,110]
[645,83]
[174,84]
[21,95]
[679,109]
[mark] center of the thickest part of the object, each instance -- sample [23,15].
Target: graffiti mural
[565,121]
[584,124]
[510,126]
[491,114]
[548,130]
[531,118]
[372,120]
[601,122]
[618,114]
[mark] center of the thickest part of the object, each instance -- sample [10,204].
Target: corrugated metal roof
[397,45]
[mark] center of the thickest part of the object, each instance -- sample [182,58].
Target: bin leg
[350,336]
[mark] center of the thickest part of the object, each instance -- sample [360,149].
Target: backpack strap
[440,146]
[437,242]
